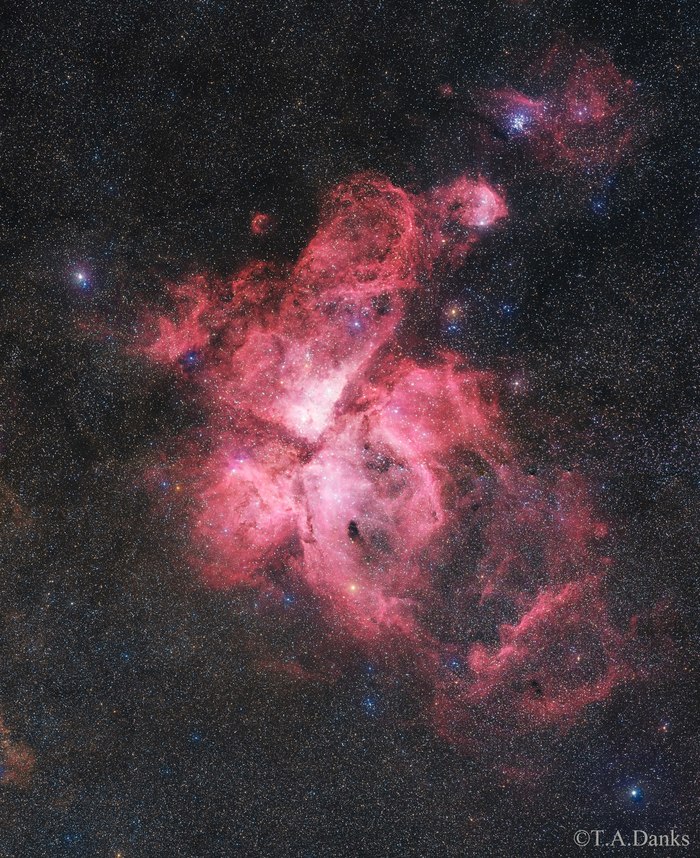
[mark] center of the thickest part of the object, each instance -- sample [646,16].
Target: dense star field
[349,430]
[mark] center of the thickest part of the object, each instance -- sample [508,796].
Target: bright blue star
[637,794]
[370,704]
[518,122]
[191,360]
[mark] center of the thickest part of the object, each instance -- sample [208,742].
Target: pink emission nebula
[383,486]
[585,123]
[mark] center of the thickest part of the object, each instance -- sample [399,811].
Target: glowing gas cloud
[386,487]
[583,118]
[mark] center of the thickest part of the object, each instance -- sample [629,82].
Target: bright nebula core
[382,485]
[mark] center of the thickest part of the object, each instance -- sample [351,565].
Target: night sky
[490,642]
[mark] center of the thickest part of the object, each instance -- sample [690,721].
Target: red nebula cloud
[583,119]
[17,760]
[261,223]
[385,487]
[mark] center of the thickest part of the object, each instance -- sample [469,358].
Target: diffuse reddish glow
[17,760]
[360,474]
[584,117]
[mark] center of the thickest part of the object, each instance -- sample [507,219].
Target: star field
[428,640]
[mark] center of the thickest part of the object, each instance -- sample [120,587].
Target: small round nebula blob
[261,224]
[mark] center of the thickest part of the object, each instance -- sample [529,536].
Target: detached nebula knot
[385,486]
